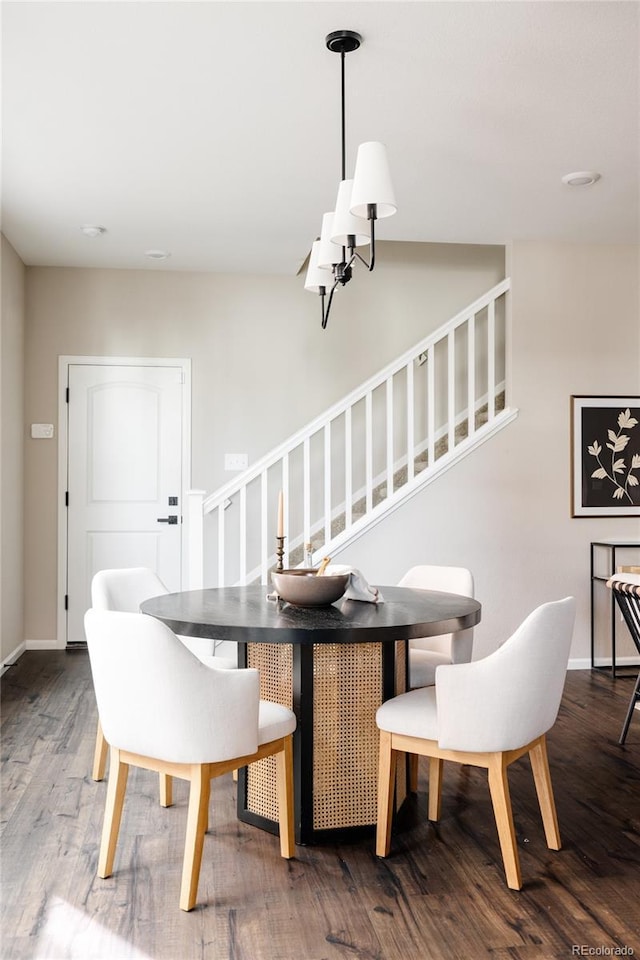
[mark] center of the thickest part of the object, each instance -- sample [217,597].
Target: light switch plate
[236,461]
[42,431]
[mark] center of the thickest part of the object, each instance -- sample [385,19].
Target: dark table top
[243,614]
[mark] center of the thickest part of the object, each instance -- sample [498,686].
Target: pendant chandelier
[361,201]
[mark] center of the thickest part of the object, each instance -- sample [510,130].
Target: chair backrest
[512,696]
[156,699]
[447,580]
[125,589]
[626,590]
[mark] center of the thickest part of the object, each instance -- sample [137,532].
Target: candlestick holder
[280,553]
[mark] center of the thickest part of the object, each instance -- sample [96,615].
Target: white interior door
[125,476]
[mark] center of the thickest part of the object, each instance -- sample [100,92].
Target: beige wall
[261,365]
[505,511]
[262,368]
[11,451]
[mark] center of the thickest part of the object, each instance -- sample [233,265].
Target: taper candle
[280,532]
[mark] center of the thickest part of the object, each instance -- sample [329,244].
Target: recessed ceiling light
[583,178]
[157,254]
[92,230]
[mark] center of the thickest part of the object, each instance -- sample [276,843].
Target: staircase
[362,458]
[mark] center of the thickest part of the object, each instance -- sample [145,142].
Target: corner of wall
[12,328]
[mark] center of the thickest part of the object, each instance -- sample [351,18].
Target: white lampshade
[372,182]
[330,253]
[316,276]
[344,223]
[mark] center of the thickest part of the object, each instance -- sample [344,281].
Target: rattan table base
[335,690]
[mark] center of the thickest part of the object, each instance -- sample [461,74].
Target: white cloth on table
[357,588]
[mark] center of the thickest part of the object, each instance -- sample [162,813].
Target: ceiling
[211,129]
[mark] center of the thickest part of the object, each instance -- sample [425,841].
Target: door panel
[123,433]
[124,463]
[106,548]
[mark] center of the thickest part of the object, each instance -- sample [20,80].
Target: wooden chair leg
[435,787]
[284,780]
[197,817]
[499,787]
[412,760]
[166,790]
[542,780]
[386,790]
[100,755]
[113,812]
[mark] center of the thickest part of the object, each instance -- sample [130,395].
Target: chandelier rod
[344,126]
[344,161]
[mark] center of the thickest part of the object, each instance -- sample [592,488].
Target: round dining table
[333,666]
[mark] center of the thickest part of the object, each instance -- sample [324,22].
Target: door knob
[171,519]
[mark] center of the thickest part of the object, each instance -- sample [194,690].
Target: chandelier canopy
[362,200]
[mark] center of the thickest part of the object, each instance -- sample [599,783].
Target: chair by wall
[428,653]
[124,589]
[164,710]
[626,590]
[487,713]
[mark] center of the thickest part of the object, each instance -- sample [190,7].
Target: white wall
[11,464]
[505,511]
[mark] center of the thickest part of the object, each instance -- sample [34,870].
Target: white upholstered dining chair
[428,653]
[162,709]
[124,589]
[488,713]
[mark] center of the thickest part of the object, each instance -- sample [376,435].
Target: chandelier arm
[371,209]
[325,314]
[322,291]
[372,262]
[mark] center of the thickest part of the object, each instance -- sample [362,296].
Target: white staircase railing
[361,458]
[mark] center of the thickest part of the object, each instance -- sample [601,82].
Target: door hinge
[66,498]
[67,395]
[66,601]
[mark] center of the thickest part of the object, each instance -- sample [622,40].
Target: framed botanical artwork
[605,453]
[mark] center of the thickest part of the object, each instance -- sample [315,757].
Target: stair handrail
[218,497]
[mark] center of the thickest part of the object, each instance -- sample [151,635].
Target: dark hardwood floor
[440,896]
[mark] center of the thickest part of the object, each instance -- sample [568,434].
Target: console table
[612,548]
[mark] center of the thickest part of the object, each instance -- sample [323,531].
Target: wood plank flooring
[441,894]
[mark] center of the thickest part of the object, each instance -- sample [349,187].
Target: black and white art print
[605,437]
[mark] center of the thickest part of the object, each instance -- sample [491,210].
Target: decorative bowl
[303,588]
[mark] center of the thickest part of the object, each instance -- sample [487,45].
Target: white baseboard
[581,664]
[585,663]
[42,645]
[12,658]
[27,645]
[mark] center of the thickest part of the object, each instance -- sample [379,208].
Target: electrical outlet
[236,461]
